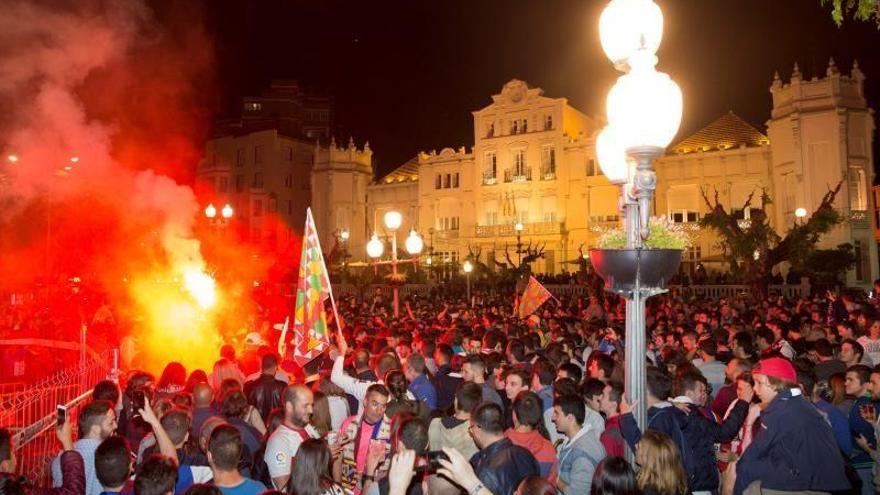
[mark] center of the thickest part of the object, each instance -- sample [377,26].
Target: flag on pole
[533,297]
[311,336]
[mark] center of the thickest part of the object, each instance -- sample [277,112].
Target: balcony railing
[507,230]
[518,175]
[490,179]
[548,173]
[447,234]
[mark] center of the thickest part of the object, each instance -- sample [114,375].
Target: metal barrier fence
[29,412]
[574,290]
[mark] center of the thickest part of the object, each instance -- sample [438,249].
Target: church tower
[821,132]
[339,193]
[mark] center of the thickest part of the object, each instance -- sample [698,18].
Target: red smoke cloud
[127,95]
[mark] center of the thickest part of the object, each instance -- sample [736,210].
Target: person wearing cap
[796,449]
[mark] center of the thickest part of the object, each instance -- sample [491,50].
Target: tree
[752,248]
[827,265]
[860,10]
[515,272]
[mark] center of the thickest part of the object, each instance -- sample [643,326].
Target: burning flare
[202,288]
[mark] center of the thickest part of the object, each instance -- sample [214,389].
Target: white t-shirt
[281,449]
[872,348]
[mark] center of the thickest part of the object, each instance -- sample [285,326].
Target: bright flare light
[414,243]
[202,287]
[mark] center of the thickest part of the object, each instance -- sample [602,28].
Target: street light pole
[518,227]
[644,113]
[468,267]
[394,289]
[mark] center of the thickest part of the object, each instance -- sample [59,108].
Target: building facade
[280,158]
[534,162]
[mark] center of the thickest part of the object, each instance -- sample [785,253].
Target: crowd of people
[462,396]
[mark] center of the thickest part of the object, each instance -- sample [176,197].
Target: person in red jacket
[609,405]
[528,432]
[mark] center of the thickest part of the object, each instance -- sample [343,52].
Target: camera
[60,415]
[432,461]
[139,400]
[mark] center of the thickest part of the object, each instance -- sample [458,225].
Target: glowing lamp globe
[645,107]
[375,248]
[467,267]
[429,261]
[393,219]
[344,235]
[210,211]
[800,212]
[518,227]
[227,212]
[414,243]
[612,155]
[627,26]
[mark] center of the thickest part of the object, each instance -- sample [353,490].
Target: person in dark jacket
[693,433]
[795,450]
[264,393]
[500,465]
[701,433]
[445,382]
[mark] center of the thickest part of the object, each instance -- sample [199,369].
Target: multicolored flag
[310,333]
[533,297]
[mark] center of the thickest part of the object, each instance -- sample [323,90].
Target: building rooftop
[728,131]
[408,172]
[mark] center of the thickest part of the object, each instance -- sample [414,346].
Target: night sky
[407,74]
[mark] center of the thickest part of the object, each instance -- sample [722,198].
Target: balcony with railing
[508,230]
[490,179]
[518,174]
[447,234]
[548,172]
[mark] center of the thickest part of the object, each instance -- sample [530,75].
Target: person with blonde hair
[662,470]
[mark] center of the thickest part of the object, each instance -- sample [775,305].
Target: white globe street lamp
[468,267]
[375,248]
[393,219]
[414,243]
[645,106]
[626,26]
[227,211]
[800,213]
[210,211]
[612,156]
[344,235]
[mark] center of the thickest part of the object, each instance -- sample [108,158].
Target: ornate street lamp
[644,112]
[210,211]
[414,245]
